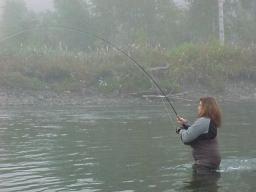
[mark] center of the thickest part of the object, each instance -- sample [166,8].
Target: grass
[108,71]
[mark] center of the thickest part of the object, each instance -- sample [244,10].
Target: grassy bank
[108,72]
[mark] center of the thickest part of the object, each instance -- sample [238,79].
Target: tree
[221,22]
[239,19]
[16,18]
[202,20]
[247,22]
[240,22]
[250,6]
[143,22]
[74,14]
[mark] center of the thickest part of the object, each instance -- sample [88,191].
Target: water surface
[118,148]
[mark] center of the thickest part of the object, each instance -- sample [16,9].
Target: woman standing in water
[201,136]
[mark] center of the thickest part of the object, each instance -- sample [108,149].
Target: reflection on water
[203,182]
[121,148]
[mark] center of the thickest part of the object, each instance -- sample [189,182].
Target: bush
[108,71]
[210,65]
[15,80]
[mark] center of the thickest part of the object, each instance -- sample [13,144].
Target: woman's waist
[211,159]
[206,156]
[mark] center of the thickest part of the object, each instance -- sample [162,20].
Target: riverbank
[15,97]
[233,92]
[41,74]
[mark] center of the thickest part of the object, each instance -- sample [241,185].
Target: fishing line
[168,111]
[131,58]
[166,98]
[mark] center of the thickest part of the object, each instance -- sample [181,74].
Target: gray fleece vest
[201,136]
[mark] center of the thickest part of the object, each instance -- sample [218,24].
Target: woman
[201,135]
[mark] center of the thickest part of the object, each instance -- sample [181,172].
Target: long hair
[210,109]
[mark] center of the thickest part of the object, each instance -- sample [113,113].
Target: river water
[119,148]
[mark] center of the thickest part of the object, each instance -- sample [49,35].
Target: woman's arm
[199,127]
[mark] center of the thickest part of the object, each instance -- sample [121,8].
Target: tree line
[147,23]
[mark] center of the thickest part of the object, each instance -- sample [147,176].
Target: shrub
[108,71]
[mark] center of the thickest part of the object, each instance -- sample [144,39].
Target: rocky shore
[232,92]
[16,97]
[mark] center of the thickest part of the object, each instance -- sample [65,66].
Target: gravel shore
[21,97]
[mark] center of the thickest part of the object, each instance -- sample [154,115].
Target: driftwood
[171,96]
[160,68]
[151,95]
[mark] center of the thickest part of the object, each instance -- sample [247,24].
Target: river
[127,148]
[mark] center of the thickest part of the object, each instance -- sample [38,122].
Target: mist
[39,6]
[91,92]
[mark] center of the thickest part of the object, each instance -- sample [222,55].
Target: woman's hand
[181,120]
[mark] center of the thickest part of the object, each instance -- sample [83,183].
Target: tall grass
[107,71]
[211,65]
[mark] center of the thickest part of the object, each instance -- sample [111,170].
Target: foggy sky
[44,5]
[39,5]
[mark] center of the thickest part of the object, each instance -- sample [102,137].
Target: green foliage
[109,72]
[15,80]
[210,65]
[155,33]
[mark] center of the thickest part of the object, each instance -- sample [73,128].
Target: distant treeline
[209,66]
[147,23]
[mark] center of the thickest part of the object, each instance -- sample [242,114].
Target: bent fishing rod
[109,43]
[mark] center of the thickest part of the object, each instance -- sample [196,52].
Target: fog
[90,91]
[39,5]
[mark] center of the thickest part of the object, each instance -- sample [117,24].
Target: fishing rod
[113,46]
[131,58]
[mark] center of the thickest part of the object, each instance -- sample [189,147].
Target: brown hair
[210,109]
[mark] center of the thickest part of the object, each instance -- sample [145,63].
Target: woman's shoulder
[203,120]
